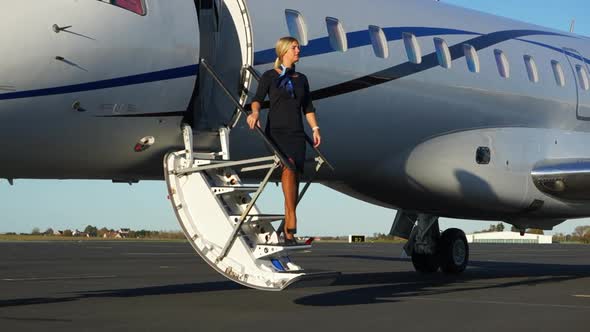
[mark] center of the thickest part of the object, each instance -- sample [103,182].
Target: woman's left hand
[317,138]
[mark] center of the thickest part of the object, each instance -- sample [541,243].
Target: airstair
[219,215]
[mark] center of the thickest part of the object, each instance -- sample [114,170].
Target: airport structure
[508,237]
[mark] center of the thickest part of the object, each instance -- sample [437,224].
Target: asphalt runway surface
[160,286]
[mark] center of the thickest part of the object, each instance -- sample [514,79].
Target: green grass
[25,238]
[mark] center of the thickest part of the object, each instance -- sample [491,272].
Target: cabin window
[558,73]
[471,57]
[136,6]
[583,77]
[296,25]
[442,53]
[502,62]
[531,68]
[412,48]
[379,42]
[337,34]
[483,155]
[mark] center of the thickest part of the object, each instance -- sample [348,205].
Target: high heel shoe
[291,241]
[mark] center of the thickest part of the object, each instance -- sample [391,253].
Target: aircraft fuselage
[401,133]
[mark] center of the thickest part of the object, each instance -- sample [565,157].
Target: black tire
[453,251]
[425,263]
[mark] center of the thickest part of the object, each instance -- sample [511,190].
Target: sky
[75,204]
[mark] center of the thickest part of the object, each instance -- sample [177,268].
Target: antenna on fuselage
[572,25]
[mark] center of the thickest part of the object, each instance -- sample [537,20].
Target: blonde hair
[282,48]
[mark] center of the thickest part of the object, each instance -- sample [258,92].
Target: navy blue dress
[285,121]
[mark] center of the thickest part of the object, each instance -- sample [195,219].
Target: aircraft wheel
[453,251]
[425,263]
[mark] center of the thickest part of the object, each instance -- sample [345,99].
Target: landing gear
[425,263]
[453,251]
[430,250]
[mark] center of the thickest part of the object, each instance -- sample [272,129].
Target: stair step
[208,164]
[258,217]
[209,155]
[224,190]
[265,250]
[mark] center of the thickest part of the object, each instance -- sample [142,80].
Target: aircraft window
[337,34]
[483,155]
[558,72]
[296,25]
[502,62]
[531,68]
[442,52]
[471,57]
[583,77]
[412,48]
[136,6]
[379,42]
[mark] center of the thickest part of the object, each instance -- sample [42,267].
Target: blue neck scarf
[285,80]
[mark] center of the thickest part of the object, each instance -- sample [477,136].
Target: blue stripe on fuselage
[428,61]
[315,47]
[557,49]
[358,39]
[157,76]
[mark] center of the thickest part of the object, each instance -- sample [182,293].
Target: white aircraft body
[427,108]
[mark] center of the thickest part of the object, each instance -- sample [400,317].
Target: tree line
[580,234]
[499,227]
[93,231]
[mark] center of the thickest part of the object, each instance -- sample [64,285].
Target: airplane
[427,108]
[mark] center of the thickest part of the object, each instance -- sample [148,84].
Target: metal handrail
[254,73]
[308,139]
[284,160]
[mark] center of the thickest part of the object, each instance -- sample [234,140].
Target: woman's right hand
[253,119]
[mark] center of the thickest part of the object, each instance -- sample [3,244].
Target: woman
[289,96]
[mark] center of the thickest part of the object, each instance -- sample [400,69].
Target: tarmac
[165,286]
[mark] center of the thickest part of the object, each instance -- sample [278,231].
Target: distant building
[58,233]
[122,233]
[508,237]
[77,233]
[110,235]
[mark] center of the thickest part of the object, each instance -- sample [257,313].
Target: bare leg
[290,190]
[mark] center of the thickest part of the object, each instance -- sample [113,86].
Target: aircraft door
[581,73]
[226,45]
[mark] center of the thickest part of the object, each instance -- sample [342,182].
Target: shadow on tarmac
[380,287]
[131,292]
[394,286]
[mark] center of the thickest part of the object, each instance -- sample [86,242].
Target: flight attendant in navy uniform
[290,98]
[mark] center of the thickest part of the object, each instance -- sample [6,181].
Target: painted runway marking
[59,278]
[582,295]
[564,306]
